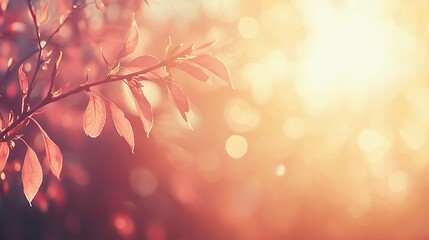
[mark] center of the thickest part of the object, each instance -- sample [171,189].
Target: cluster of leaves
[191,60]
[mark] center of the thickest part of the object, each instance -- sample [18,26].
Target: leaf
[214,65]
[122,125]
[173,50]
[9,62]
[145,62]
[179,99]
[53,153]
[32,175]
[2,122]
[64,16]
[94,117]
[3,4]
[57,63]
[114,69]
[205,45]
[23,81]
[43,16]
[144,109]
[195,72]
[4,154]
[132,40]
[100,5]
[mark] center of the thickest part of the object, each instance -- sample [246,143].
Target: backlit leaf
[43,16]
[64,16]
[4,154]
[57,63]
[100,5]
[122,125]
[2,122]
[214,65]
[205,45]
[94,117]
[173,50]
[132,40]
[32,175]
[23,81]
[145,62]
[53,153]
[3,4]
[179,99]
[195,72]
[144,109]
[9,62]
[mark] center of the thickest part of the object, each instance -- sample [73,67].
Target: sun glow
[352,54]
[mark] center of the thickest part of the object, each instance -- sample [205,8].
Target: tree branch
[49,99]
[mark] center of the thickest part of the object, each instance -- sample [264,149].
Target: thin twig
[39,58]
[85,87]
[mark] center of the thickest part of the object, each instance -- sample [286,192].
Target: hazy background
[325,136]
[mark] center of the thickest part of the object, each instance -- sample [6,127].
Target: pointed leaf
[179,98]
[43,16]
[205,45]
[195,72]
[9,62]
[2,122]
[4,154]
[145,62]
[53,153]
[132,40]
[172,51]
[144,109]
[32,175]
[23,81]
[100,5]
[122,125]
[94,117]
[3,4]
[57,63]
[64,16]
[214,65]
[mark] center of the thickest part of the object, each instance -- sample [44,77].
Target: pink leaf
[32,175]
[3,4]
[132,40]
[214,65]
[205,45]
[64,16]
[2,122]
[53,153]
[43,16]
[144,109]
[57,63]
[192,70]
[179,98]
[100,5]
[145,62]
[94,117]
[122,125]
[4,154]
[23,81]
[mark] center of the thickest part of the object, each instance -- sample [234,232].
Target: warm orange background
[325,137]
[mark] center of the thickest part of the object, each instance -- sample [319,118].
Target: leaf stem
[49,99]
